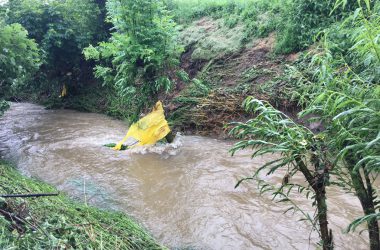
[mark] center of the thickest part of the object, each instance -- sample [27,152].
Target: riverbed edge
[60,222]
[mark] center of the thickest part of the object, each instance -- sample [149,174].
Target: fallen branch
[26,195]
[13,218]
[19,221]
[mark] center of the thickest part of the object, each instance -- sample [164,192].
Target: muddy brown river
[183,193]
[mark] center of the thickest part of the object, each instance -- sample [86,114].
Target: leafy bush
[19,58]
[139,52]
[349,102]
[62,29]
[299,149]
[259,17]
[302,20]
[339,85]
[4,105]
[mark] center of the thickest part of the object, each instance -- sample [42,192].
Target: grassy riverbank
[60,223]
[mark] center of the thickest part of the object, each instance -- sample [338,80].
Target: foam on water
[164,149]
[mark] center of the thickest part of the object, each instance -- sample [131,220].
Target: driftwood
[26,195]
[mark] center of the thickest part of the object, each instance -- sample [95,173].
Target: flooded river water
[183,194]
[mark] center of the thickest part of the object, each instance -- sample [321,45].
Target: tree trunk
[373,228]
[365,198]
[316,181]
[326,235]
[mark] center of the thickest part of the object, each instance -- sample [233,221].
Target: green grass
[186,5]
[188,10]
[253,18]
[211,38]
[60,223]
[296,22]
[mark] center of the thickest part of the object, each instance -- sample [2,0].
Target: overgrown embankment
[60,223]
[222,71]
[232,49]
[217,72]
[235,49]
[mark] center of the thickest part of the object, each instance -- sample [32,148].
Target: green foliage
[62,29]
[302,22]
[211,39]
[189,10]
[343,89]
[183,76]
[361,220]
[60,223]
[272,132]
[349,102]
[19,58]
[338,83]
[200,86]
[139,53]
[186,112]
[58,23]
[354,123]
[3,106]
[296,22]
[258,17]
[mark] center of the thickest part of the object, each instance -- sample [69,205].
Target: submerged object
[112,145]
[149,129]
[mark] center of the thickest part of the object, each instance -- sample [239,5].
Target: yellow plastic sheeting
[149,129]
[64,91]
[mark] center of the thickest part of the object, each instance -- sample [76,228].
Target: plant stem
[317,183]
[366,201]
[326,235]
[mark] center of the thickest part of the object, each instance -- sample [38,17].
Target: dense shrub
[338,85]
[19,58]
[62,29]
[138,54]
[302,20]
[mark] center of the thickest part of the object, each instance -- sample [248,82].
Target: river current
[182,193]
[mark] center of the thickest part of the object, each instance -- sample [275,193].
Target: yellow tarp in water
[149,129]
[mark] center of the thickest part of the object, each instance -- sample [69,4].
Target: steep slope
[222,72]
